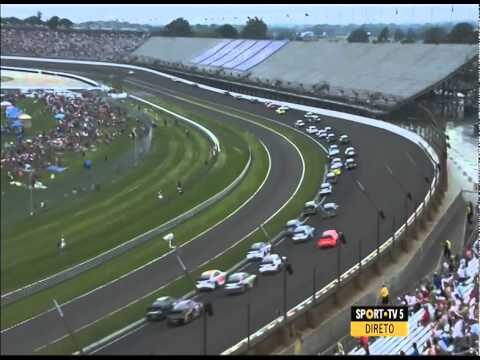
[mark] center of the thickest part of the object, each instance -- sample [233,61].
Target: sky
[162,14]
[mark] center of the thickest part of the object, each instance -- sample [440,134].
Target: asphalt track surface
[357,219]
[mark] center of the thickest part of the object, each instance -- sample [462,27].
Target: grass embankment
[314,162]
[231,161]
[108,214]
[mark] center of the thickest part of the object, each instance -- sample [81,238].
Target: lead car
[184,311]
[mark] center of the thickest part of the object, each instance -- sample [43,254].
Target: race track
[357,220]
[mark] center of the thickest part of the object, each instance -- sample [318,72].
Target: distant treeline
[256,28]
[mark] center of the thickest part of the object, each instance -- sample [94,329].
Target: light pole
[287,268]
[207,311]
[31,192]
[408,196]
[67,327]
[170,238]
[425,178]
[380,213]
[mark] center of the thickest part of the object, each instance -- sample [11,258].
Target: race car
[329,210]
[240,282]
[331,177]
[312,129]
[272,106]
[329,239]
[184,311]
[160,307]
[131,72]
[331,137]
[258,251]
[303,233]
[292,225]
[328,129]
[211,280]
[310,208]
[350,152]
[350,163]
[336,160]
[336,168]
[272,263]
[299,123]
[280,111]
[344,139]
[321,134]
[310,115]
[325,189]
[333,151]
[314,119]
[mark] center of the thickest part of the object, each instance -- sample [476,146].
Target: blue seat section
[247,54]
[265,53]
[211,51]
[221,53]
[234,53]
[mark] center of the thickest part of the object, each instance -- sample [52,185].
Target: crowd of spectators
[75,44]
[448,306]
[90,119]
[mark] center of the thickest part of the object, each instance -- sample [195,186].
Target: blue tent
[13,112]
[87,164]
[56,169]
[59,116]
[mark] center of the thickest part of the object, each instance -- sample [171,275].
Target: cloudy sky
[237,14]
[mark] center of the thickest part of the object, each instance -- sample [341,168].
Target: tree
[39,15]
[66,23]
[399,35]
[227,31]
[358,35]
[33,20]
[410,38]
[255,29]
[462,33]
[53,22]
[384,35]
[434,35]
[178,27]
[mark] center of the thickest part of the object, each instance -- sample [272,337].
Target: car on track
[226,93]
[328,129]
[303,233]
[321,134]
[350,163]
[131,72]
[271,105]
[291,225]
[336,160]
[184,311]
[258,251]
[332,152]
[160,307]
[329,239]
[344,139]
[280,111]
[272,263]
[336,170]
[331,137]
[299,123]
[314,119]
[331,177]
[309,115]
[350,152]
[210,280]
[240,282]
[329,209]
[325,189]
[312,129]
[310,208]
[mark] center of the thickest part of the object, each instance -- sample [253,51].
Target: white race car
[336,161]
[310,115]
[331,178]
[328,129]
[350,163]
[329,210]
[321,134]
[303,233]
[312,129]
[299,123]
[344,139]
[272,263]
[240,282]
[331,137]
[258,251]
[292,225]
[325,189]
[350,152]
[333,152]
[211,280]
[336,166]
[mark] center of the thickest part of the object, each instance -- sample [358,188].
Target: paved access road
[357,219]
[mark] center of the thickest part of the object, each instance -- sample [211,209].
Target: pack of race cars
[182,311]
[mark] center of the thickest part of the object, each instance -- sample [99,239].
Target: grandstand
[440,331]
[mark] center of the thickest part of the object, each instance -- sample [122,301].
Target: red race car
[329,239]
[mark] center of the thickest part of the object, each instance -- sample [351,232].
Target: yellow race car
[280,111]
[336,171]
